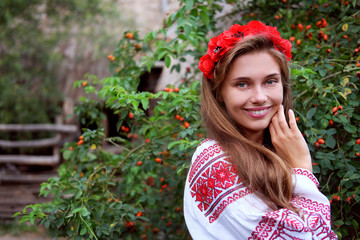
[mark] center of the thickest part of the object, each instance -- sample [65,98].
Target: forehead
[254,66]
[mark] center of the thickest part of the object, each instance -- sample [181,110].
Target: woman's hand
[288,141]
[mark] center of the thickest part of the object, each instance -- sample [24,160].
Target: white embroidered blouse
[218,206]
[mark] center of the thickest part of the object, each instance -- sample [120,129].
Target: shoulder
[207,149]
[212,183]
[207,153]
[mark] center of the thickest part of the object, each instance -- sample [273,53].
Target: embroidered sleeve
[306,173]
[313,206]
[285,224]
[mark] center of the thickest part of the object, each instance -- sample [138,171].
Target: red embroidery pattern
[214,183]
[306,173]
[309,205]
[285,224]
[204,156]
[221,207]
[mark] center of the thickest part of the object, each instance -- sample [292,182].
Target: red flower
[219,45]
[215,49]
[206,65]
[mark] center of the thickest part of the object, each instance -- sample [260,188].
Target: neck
[256,137]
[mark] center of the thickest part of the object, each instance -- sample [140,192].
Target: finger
[272,130]
[282,120]
[292,120]
[275,123]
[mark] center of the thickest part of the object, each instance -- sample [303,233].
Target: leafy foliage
[138,193]
[29,68]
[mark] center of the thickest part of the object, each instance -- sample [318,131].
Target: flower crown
[219,45]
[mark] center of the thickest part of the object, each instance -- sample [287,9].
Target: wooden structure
[21,175]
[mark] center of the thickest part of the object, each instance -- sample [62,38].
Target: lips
[258,112]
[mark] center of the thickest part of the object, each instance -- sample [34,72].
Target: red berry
[80,142]
[334,109]
[331,123]
[358,141]
[321,141]
[131,115]
[323,22]
[300,26]
[139,163]
[158,160]
[129,35]
[186,124]
[111,57]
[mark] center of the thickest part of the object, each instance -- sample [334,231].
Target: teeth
[258,112]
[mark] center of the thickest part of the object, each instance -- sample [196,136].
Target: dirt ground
[21,233]
[26,236]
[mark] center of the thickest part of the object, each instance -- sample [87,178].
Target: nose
[258,95]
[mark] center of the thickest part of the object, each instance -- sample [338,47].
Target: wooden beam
[26,178]
[61,128]
[30,159]
[39,143]
[19,190]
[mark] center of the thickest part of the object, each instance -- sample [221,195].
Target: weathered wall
[86,51]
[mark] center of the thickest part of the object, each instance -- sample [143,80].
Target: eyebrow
[248,78]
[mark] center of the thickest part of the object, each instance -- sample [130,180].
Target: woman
[252,178]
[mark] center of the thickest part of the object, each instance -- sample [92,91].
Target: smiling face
[252,92]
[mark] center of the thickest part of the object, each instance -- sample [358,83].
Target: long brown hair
[258,166]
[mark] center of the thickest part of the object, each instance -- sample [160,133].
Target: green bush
[138,194]
[30,33]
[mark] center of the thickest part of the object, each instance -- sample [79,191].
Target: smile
[258,113]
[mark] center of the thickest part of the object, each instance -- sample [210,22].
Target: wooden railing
[54,142]
[19,187]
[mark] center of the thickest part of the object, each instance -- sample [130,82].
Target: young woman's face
[252,91]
